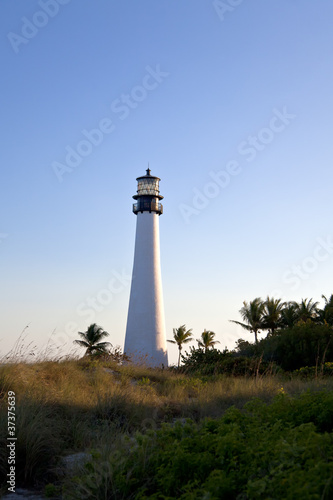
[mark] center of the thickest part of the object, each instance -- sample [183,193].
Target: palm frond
[91,339]
[82,343]
[104,344]
[247,327]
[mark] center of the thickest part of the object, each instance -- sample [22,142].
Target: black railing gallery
[147,206]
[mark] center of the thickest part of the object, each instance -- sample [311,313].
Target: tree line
[182,336]
[273,315]
[298,334]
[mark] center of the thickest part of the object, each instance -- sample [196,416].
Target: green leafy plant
[281,451]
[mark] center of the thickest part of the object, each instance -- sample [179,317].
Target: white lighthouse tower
[145,339]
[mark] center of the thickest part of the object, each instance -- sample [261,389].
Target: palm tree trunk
[180,348]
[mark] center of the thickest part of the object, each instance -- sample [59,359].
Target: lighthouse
[145,339]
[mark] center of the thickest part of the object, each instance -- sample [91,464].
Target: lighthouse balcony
[147,206]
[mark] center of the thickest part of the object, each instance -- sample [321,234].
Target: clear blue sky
[199,89]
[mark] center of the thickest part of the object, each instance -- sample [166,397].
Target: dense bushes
[207,362]
[305,344]
[215,362]
[281,451]
[325,369]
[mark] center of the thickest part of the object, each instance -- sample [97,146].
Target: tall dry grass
[67,406]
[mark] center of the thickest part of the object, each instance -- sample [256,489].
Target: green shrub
[325,369]
[51,490]
[203,362]
[281,451]
[306,344]
[214,362]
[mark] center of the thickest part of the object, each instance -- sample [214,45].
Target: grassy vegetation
[275,451]
[73,406]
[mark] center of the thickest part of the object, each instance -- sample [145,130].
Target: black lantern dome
[148,194]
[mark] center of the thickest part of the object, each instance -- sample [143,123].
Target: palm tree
[181,336]
[91,340]
[306,310]
[289,315]
[207,340]
[252,313]
[271,319]
[325,315]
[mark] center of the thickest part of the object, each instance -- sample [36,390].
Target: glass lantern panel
[148,186]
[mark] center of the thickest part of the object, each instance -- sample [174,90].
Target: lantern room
[148,195]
